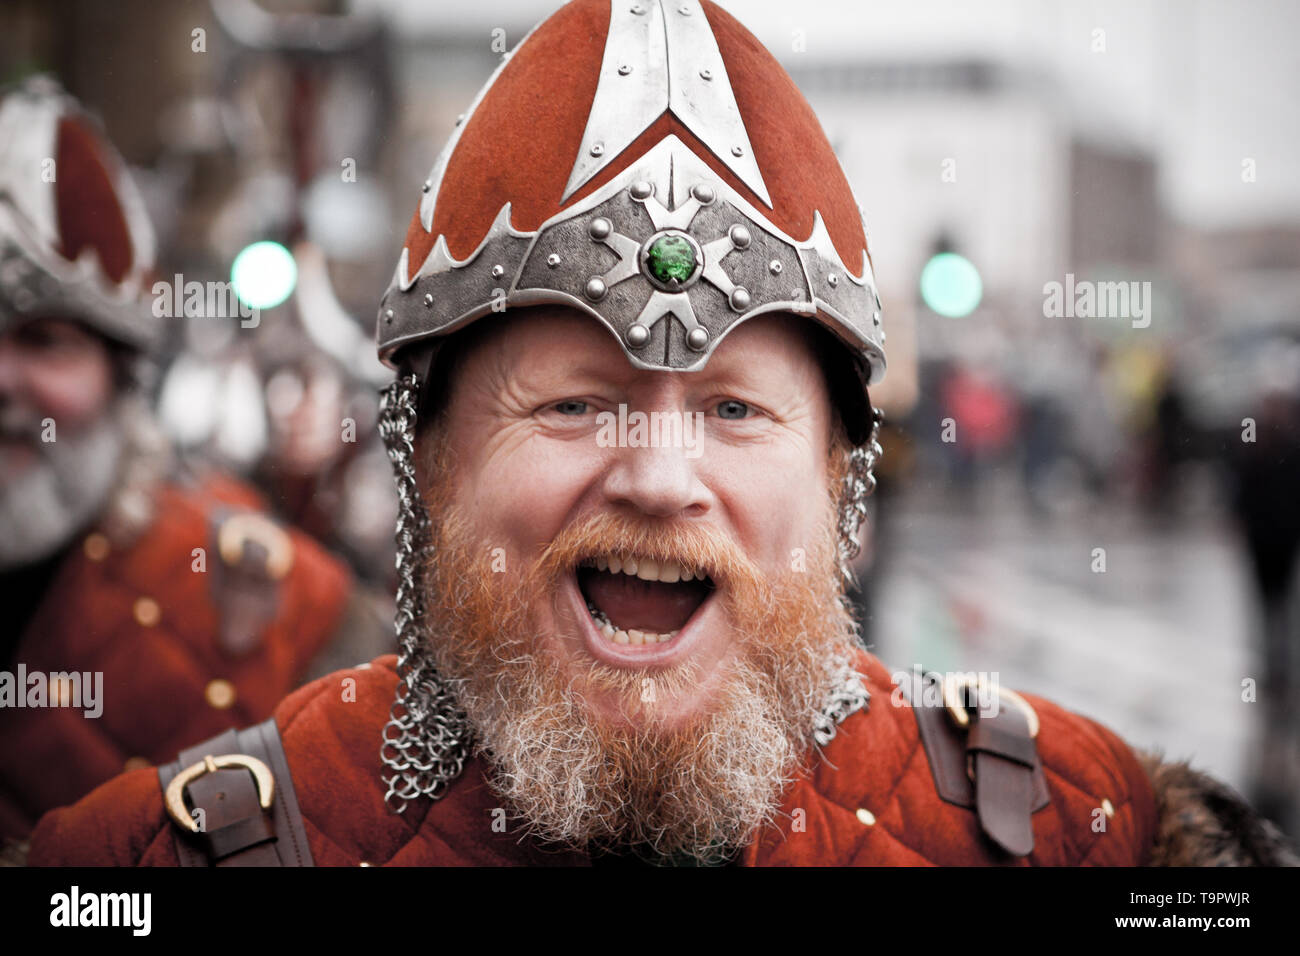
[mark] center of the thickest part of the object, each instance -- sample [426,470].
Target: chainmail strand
[427,739]
[859,483]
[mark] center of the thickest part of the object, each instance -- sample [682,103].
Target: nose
[663,482]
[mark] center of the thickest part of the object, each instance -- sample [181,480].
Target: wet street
[1156,646]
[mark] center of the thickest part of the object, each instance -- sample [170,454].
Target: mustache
[691,545]
[19,423]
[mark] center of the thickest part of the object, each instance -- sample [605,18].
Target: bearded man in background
[122,640]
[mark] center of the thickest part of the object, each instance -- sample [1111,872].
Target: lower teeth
[618,635]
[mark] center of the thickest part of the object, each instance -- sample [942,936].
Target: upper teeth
[648,569]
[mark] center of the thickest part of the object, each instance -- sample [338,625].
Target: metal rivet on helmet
[740,237]
[697,338]
[637,335]
[553,260]
[595,289]
[704,193]
[739,298]
[641,190]
[600,228]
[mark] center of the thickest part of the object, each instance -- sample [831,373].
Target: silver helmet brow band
[666,255]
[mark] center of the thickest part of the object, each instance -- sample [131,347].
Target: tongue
[631,603]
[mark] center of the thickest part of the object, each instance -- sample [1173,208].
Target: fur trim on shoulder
[13,852]
[1201,821]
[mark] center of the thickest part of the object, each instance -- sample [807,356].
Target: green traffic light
[264,274]
[951,285]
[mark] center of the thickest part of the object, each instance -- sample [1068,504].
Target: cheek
[525,493]
[776,506]
[75,392]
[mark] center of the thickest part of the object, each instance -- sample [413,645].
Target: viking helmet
[74,238]
[650,164]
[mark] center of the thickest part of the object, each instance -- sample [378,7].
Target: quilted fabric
[331,730]
[158,660]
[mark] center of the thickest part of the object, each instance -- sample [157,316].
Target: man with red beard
[146,608]
[634,323]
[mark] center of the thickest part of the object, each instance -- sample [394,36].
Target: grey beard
[60,494]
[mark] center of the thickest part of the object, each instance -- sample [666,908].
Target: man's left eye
[732,409]
[571,408]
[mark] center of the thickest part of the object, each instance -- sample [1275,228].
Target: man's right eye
[571,408]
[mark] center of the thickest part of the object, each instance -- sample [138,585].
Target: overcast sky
[1204,84]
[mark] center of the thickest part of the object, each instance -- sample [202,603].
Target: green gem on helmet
[671,257]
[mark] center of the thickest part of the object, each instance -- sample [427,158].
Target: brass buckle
[955,701]
[174,798]
[239,529]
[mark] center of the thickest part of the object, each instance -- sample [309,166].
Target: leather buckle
[174,798]
[954,699]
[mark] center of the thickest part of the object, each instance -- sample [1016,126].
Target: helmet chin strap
[428,739]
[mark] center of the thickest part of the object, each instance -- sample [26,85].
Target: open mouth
[638,600]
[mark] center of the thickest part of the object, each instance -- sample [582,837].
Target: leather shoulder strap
[990,766]
[225,784]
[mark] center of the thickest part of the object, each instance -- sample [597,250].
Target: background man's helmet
[652,165]
[74,238]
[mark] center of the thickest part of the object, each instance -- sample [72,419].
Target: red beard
[696,790]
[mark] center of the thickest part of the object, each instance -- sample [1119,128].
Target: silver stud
[641,189]
[737,151]
[498,271]
[637,335]
[740,237]
[600,228]
[595,289]
[697,338]
[706,74]
[426,187]
[739,298]
[428,299]
[684,10]
[388,315]
[553,260]
[833,279]
[704,193]
[597,149]
[637,9]
[624,70]
[774,267]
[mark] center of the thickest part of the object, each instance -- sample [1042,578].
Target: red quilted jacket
[145,618]
[876,763]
